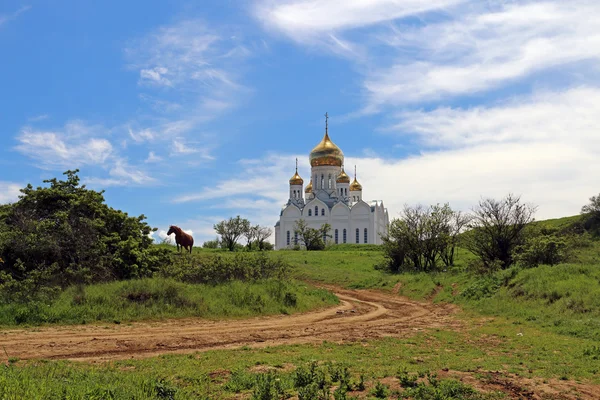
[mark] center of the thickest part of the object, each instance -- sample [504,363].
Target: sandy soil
[361,315]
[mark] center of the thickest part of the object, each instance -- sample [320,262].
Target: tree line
[498,232]
[234,229]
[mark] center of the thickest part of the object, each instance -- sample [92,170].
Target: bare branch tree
[497,228]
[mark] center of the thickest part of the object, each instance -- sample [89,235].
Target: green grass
[159,298]
[493,346]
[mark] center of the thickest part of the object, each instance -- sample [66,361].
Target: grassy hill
[538,325]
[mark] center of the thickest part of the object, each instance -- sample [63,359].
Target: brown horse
[181,238]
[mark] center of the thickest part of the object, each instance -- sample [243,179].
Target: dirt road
[361,315]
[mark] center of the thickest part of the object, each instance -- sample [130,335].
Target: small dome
[296,179]
[355,186]
[308,188]
[343,177]
[326,153]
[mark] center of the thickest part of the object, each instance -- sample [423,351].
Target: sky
[192,112]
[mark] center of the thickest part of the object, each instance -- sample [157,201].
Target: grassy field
[541,324]
[159,298]
[479,349]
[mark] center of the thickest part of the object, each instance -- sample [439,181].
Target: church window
[329,182]
[296,238]
[288,238]
[357,234]
[365,235]
[344,235]
[322,181]
[309,212]
[316,211]
[322,211]
[336,236]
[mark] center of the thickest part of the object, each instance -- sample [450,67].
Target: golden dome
[355,186]
[308,188]
[296,179]
[343,177]
[326,153]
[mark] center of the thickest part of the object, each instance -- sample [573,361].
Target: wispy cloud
[76,144]
[571,117]
[411,52]
[152,158]
[198,65]
[4,18]
[482,49]
[308,20]
[536,147]
[9,192]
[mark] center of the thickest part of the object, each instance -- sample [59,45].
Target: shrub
[65,234]
[215,268]
[542,249]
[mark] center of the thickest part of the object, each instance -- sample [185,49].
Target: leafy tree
[497,228]
[592,212]
[455,223]
[251,235]
[231,230]
[311,238]
[262,234]
[421,237]
[64,233]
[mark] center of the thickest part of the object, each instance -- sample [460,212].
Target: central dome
[326,153]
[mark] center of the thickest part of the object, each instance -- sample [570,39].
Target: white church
[330,198]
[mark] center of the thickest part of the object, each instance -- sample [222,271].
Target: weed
[380,390]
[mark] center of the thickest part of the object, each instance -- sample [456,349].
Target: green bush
[65,234]
[216,268]
[543,249]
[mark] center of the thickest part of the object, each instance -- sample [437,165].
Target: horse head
[173,229]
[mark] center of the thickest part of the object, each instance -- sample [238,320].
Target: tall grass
[159,298]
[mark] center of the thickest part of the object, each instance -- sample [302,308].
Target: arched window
[344,235]
[288,238]
[336,236]
[322,181]
[322,211]
[329,182]
[309,212]
[365,235]
[296,238]
[357,234]
[316,211]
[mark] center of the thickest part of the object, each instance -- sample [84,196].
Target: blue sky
[191,112]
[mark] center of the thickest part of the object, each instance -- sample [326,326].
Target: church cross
[326,123]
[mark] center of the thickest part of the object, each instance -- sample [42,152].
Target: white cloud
[128,173]
[481,49]
[571,117]
[455,48]
[152,158]
[544,148]
[142,135]
[73,146]
[308,19]
[9,192]
[155,75]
